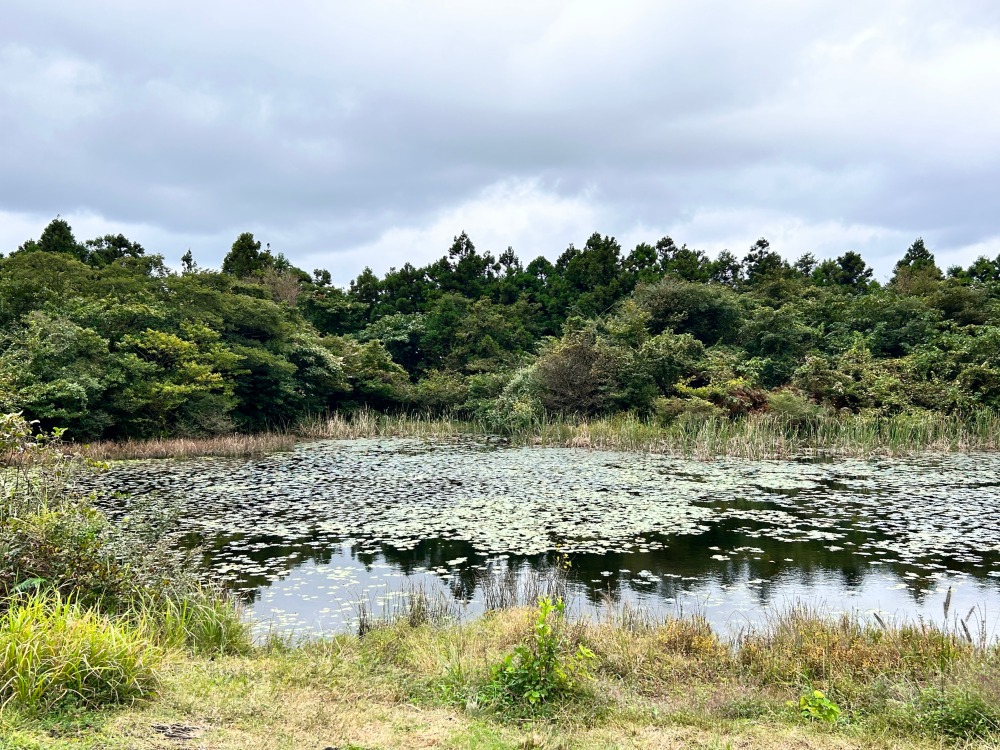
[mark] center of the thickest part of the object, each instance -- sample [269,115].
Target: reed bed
[370,424]
[765,436]
[236,446]
[754,437]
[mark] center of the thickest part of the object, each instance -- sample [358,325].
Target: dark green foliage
[103,339]
[958,713]
[849,271]
[56,238]
[245,258]
[709,312]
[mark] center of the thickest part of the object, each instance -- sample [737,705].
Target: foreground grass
[665,684]
[755,437]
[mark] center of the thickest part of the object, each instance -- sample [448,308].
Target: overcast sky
[370,133]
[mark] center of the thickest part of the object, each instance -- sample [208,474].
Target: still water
[305,535]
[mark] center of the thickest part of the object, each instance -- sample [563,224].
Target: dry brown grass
[756,437]
[235,445]
[802,643]
[369,424]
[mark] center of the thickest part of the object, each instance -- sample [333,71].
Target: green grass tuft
[53,651]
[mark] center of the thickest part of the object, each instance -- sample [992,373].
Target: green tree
[916,273]
[59,373]
[57,237]
[246,258]
[709,312]
[103,251]
[848,271]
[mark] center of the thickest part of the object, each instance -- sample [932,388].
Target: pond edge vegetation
[655,348]
[762,436]
[97,618]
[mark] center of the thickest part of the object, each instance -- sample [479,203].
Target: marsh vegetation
[110,638]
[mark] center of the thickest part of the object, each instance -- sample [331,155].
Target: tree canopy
[102,338]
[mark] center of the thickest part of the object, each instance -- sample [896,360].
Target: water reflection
[306,534]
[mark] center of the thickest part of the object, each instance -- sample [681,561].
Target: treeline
[102,338]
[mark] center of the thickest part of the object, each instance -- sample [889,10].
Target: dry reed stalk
[220,445]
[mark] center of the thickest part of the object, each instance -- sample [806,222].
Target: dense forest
[105,340]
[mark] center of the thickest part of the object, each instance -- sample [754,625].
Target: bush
[685,411]
[64,548]
[517,407]
[794,411]
[53,651]
[575,374]
[815,706]
[440,392]
[544,668]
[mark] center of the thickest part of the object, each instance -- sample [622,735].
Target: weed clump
[544,668]
[54,651]
[958,713]
[802,643]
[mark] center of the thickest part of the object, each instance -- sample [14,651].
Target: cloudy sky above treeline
[359,133]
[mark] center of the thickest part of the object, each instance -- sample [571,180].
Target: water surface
[307,533]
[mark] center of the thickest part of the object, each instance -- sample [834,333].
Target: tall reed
[763,435]
[236,446]
[756,436]
[369,424]
[200,620]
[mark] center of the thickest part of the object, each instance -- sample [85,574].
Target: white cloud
[517,213]
[371,133]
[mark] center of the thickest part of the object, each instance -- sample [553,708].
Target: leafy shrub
[65,548]
[794,411]
[685,411]
[34,471]
[710,313]
[440,391]
[575,373]
[52,651]
[517,407]
[544,668]
[815,706]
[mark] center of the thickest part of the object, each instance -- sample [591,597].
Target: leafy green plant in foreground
[544,668]
[816,706]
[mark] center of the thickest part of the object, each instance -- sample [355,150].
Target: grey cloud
[199,119]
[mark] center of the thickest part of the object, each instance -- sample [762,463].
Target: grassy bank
[754,437]
[108,641]
[662,684]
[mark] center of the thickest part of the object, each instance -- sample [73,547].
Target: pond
[307,534]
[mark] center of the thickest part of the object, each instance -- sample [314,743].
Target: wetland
[305,535]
